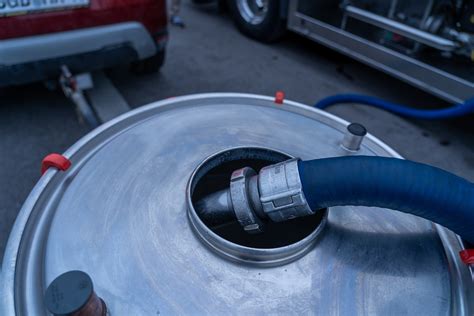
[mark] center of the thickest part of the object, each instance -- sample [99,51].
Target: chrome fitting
[281,192]
[353,137]
[242,200]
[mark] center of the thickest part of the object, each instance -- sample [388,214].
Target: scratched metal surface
[120,215]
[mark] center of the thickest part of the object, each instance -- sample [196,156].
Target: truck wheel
[149,65]
[259,19]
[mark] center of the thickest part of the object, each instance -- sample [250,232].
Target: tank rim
[260,257]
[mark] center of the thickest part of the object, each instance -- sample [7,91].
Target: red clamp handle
[56,161]
[467,256]
[279,97]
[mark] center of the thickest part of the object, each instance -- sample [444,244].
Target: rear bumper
[35,58]
[55,45]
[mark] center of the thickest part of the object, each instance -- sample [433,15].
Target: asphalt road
[210,55]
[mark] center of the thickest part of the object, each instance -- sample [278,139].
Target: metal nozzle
[216,208]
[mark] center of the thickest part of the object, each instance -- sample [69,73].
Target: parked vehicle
[428,43]
[38,37]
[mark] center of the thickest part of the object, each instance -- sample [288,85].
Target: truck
[428,43]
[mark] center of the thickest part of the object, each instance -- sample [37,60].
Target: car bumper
[34,58]
[48,46]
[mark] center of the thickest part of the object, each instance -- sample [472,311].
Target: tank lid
[120,214]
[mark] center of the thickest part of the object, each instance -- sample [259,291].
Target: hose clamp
[281,192]
[241,201]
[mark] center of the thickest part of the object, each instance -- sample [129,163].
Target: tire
[201,1]
[266,26]
[149,65]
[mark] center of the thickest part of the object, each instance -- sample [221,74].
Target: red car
[37,37]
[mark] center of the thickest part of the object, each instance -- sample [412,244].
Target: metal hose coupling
[275,193]
[281,192]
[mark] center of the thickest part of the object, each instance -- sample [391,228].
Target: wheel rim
[253,11]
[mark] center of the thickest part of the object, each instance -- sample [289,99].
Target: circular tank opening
[280,241]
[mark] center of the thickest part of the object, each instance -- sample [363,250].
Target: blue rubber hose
[397,184]
[456,110]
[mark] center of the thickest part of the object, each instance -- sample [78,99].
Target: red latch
[56,161]
[467,256]
[279,97]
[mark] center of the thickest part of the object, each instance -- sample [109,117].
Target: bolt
[72,294]
[353,137]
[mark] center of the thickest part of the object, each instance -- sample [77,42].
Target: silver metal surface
[428,78]
[121,214]
[253,11]
[241,202]
[281,192]
[413,33]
